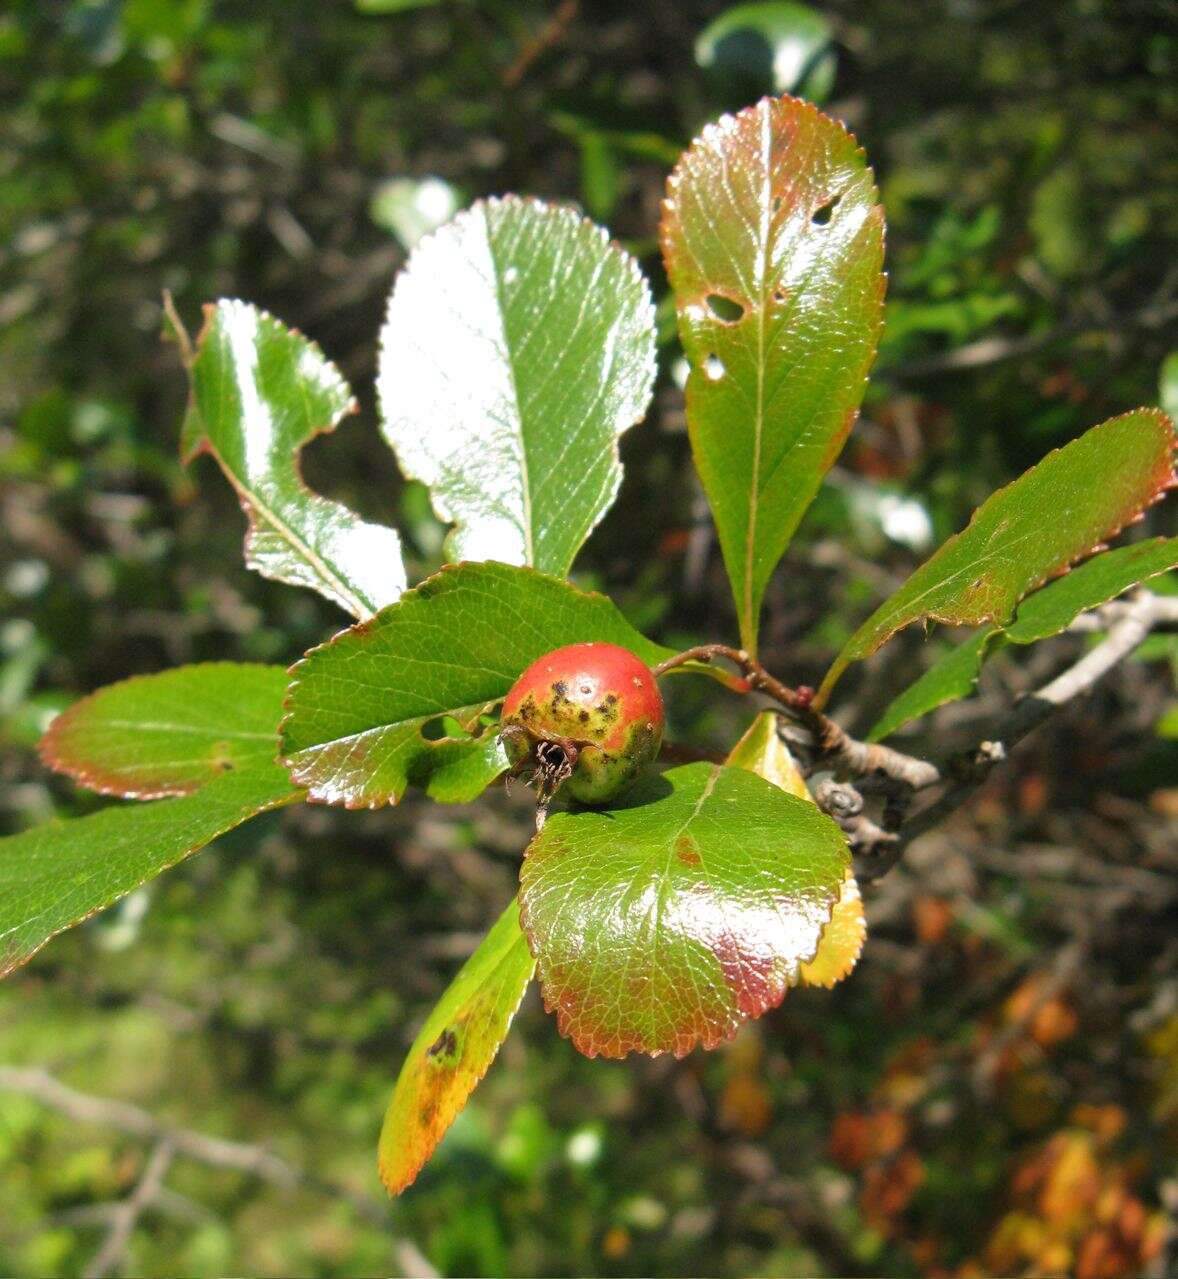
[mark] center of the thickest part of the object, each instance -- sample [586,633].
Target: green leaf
[774,47]
[1052,515]
[949,678]
[1168,384]
[452,646]
[455,1047]
[1042,615]
[519,345]
[392,6]
[413,207]
[260,392]
[56,875]
[1101,579]
[673,918]
[171,733]
[773,242]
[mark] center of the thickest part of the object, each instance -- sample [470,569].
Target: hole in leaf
[433,730]
[511,275]
[726,310]
[714,368]
[779,294]
[824,212]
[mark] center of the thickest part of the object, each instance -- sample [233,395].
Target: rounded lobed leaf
[169,734]
[667,921]
[519,344]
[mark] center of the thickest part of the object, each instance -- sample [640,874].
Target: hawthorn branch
[832,743]
[1130,622]
[898,777]
[125,1216]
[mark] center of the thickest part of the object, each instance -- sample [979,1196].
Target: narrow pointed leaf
[773,241]
[170,733]
[453,646]
[669,920]
[519,345]
[260,392]
[1051,516]
[949,679]
[1042,615]
[455,1047]
[56,875]
[762,751]
[1057,605]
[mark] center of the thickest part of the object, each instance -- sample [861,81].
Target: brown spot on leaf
[444,1050]
[687,851]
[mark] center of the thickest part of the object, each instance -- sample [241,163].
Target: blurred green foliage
[266,991]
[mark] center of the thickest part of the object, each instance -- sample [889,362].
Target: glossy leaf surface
[454,1049]
[667,921]
[452,646]
[260,392]
[1040,616]
[170,733]
[1052,515]
[773,242]
[58,874]
[519,345]
[762,751]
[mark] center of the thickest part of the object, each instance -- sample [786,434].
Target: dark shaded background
[995,1090]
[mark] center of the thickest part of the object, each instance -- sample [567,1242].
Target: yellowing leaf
[842,940]
[762,751]
[453,1050]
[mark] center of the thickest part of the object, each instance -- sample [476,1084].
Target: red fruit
[588,717]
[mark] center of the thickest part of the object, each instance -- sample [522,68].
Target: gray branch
[216,1152]
[1128,622]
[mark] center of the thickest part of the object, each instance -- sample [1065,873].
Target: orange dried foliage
[888,1189]
[1049,1018]
[858,1138]
[615,1243]
[932,917]
[1075,1212]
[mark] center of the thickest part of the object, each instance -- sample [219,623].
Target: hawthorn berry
[587,717]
